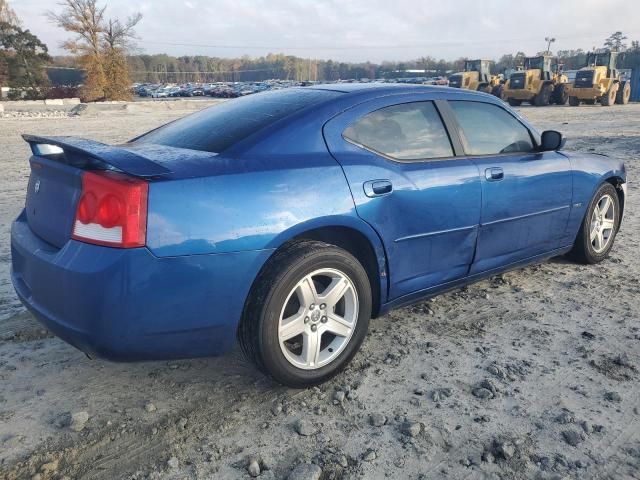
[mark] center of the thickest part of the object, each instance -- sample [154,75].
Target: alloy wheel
[318,318]
[602,224]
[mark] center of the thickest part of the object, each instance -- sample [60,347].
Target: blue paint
[215,219]
[635,85]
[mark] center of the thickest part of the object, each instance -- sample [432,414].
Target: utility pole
[549,41]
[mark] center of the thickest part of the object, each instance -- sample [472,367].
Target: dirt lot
[556,346]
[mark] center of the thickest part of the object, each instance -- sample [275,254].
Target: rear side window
[489,130]
[409,131]
[219,127]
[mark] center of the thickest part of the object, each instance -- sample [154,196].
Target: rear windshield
[219,127]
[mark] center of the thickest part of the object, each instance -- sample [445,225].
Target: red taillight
[112,210]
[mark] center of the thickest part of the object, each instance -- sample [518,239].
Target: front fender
[589,172]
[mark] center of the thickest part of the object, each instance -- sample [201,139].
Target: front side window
[409,131]
[490,130]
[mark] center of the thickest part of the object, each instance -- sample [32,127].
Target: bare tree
[8,15]
[102,45]
[119,35]
[86,20]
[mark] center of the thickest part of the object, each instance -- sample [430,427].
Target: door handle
[493,174]
[377,188]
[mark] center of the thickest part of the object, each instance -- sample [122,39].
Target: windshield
[534,63]
[219,127]
[472,66]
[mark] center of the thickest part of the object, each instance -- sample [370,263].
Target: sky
[357,30]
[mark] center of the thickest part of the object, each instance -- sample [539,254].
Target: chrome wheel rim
[602,224]
[318,319]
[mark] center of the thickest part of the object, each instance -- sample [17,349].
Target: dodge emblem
[36,187]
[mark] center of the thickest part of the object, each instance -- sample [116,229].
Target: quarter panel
[245,211]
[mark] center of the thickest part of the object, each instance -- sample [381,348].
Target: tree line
[102,47]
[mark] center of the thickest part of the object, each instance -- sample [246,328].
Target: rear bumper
[127,304]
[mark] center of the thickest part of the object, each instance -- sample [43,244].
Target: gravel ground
[531,374]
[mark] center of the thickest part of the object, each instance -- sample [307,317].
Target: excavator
[538,82]
[599,81]
[477,76]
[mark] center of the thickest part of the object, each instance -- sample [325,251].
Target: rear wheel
[514,102]
[574,101]
[544,96]
[609,98]
[624,93]
[599,227]
[307,314]
[560,94]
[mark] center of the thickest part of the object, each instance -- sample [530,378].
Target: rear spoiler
[118,157]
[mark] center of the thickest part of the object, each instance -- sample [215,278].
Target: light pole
[549,41]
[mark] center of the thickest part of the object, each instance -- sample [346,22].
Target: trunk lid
[52,195]
[55,183]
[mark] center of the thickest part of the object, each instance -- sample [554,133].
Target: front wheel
[624,93]
[609,98]
[560,94]
[599,227]
[543,97]
[307,315]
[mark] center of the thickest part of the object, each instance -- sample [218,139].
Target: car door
[526,194]
[407,183]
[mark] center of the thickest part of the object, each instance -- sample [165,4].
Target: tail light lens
[112,210]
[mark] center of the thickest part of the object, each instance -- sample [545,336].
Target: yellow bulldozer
[599,81]
[538,82]
[477,76]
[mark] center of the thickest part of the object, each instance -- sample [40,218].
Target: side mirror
[551,140]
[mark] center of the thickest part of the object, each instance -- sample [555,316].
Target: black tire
[498,91]
[560,94]
[583,251]
[514,102]
[624,93]
[609,98]
[258,330]
[574,101]
[543,98]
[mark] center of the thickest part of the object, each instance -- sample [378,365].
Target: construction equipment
[477,76]
[599,81]
[538,82]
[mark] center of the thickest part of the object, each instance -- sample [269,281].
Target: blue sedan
[288,219]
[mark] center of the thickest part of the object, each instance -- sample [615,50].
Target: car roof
[365,91]
[377,86]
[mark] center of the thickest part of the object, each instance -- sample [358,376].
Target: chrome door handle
[377,188]
[493,174]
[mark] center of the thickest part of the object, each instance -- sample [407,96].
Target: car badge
[36,187]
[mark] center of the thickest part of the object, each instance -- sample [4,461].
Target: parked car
[287,219]
[160,93]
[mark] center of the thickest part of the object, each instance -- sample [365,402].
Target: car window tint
[488,129]
[219,127]
[410,131]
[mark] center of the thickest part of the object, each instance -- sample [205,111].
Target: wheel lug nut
[323,306]
[306,319]
[323,319]
[314,327]
[312,306]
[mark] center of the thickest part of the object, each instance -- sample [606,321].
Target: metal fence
[635,84]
